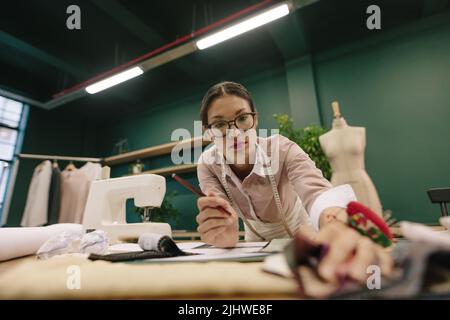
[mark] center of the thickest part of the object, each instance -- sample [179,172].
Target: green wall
[400,91]
[58,132]
[396,84]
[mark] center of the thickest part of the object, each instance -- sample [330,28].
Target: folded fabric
[154,245]
[159,242]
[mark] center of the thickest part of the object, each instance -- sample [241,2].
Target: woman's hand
[217,221]
[349,253]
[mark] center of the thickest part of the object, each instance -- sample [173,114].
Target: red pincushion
[355,207]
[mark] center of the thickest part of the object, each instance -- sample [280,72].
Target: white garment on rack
[74,192]
[92,170]
[35,213]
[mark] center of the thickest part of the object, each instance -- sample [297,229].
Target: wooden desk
[29,278]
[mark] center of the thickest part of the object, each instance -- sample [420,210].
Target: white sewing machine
[106,206]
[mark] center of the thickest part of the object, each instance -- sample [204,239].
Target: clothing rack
[53,157]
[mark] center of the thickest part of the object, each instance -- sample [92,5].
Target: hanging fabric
[74,191]
[92,170]
[36,207]
[75,185]
[54,198]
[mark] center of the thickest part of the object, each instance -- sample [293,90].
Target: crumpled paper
[70,242]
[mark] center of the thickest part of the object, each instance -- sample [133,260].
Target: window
[11,129]
[10,115]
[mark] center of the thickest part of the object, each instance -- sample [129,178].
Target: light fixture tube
[244,26]
[113,80]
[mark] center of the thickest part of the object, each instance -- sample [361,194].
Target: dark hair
[222,89]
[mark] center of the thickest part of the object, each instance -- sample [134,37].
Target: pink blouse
[296,176]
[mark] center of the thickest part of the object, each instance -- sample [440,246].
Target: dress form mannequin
[344,147]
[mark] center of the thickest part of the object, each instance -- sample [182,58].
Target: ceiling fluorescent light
[244,26]
[113,80]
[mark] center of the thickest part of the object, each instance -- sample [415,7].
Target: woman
[273,185]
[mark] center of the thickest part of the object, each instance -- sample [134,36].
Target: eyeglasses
[244,122]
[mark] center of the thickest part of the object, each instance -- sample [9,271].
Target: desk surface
[29,278]
[193,235]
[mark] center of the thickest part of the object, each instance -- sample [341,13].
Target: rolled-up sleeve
[338,196]
[316,192]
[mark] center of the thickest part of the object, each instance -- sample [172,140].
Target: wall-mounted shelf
[182,168]
[154,151]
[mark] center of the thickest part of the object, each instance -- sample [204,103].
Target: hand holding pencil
[217,220]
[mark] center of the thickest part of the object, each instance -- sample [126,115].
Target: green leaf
[308,139]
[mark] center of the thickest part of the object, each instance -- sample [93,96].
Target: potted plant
[165,213]
[308,139]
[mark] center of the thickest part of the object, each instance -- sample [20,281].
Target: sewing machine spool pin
[147,214]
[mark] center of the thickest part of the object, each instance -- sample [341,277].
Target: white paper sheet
[212,257]
[243,250]
[260,244]
[189,245]
[134,247]
[215,251]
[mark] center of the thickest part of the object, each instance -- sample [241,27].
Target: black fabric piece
[54,198]
[128,256]
[167,248]
[167,245]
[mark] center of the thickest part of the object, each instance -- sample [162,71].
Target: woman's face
[237,146]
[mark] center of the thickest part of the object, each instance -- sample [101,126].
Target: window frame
[10,173]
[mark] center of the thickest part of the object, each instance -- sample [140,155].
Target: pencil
[188,185]
[193,189]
